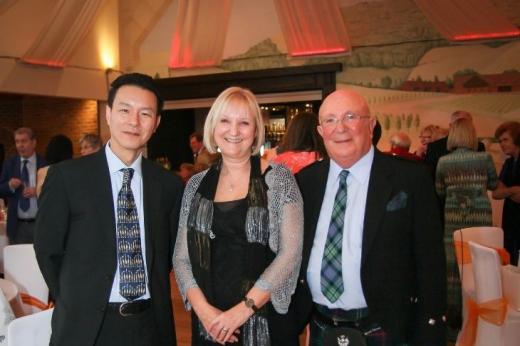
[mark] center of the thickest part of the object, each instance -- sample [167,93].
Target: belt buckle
[121,308]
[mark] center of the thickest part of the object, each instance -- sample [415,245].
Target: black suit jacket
[403,267]
[10,170]
[75,243]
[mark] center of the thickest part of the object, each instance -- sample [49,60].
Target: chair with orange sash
[487,236]
[21,267]
[490,320]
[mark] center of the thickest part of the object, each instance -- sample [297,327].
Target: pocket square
[397,202]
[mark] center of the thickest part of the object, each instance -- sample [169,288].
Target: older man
[18,185]
[373,257]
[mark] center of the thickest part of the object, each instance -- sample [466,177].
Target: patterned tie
[331,278]
[129,254]
[24,202]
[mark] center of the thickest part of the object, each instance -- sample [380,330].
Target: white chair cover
[488,236]
[6,316]
[32,330]
[488,286]
[20,267]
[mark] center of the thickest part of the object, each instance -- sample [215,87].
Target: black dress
[510,176]
[235,264]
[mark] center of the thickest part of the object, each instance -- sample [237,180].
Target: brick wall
[47,116]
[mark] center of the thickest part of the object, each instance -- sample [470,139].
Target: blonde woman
[462,179]
[238,248]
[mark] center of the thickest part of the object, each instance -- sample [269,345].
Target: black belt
[26,220]
[130,308]
[355,318]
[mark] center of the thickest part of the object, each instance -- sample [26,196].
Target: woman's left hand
[227,324]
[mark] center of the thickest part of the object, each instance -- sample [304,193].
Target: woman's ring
[225,330]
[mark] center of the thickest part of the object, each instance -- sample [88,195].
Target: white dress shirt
[31,168]
[116,178]
[357,188]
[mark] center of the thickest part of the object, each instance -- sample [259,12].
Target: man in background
[89,143]
[106,229]
[400,146]
[201,156]
[18,186]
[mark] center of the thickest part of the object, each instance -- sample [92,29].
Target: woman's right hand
[205,312]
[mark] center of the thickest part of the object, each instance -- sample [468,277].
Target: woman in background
[508,135]
[301,145]
[238,249]
[428,134]
[462,179]
[58,149]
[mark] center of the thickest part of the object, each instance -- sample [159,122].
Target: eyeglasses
[349,117]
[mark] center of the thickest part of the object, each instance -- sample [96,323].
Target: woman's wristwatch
[250,303]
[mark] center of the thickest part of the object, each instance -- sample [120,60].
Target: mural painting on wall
[410,75]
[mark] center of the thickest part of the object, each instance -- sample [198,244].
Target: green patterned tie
[331,276]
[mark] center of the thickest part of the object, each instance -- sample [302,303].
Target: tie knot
[128,174]
[343,175]
[25,161]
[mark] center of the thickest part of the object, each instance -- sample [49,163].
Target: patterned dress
[462,179]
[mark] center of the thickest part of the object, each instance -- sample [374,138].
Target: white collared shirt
[33,207]
[116,178]
[357,189]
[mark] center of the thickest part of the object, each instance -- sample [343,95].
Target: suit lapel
[379,190]
[101,186]
[151,200]
[316,191]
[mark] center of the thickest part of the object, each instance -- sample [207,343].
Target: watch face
[250,302]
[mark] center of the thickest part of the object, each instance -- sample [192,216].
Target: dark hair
[139,80]
[376,135]
[513,127]
[302,135]
[197,135]
[58,149]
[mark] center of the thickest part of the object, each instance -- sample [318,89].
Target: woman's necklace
[230,181]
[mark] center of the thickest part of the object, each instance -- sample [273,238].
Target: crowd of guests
[23,175]
[324,231]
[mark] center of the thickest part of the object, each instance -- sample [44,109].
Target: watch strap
[250,303]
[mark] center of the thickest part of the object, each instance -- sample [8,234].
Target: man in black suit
[18,186]
[439,148]
[373,257]
[106,228]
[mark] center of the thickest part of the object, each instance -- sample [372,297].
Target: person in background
[238,248]
[462,179]
[301,144]
[373,258]
[89,143]
[428,134]
[2,155]
[186,171]
[508,135]
[201,155]
[400,146]
[106,229]
[439,147]
[58,149]
[377,133]
[18,186]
